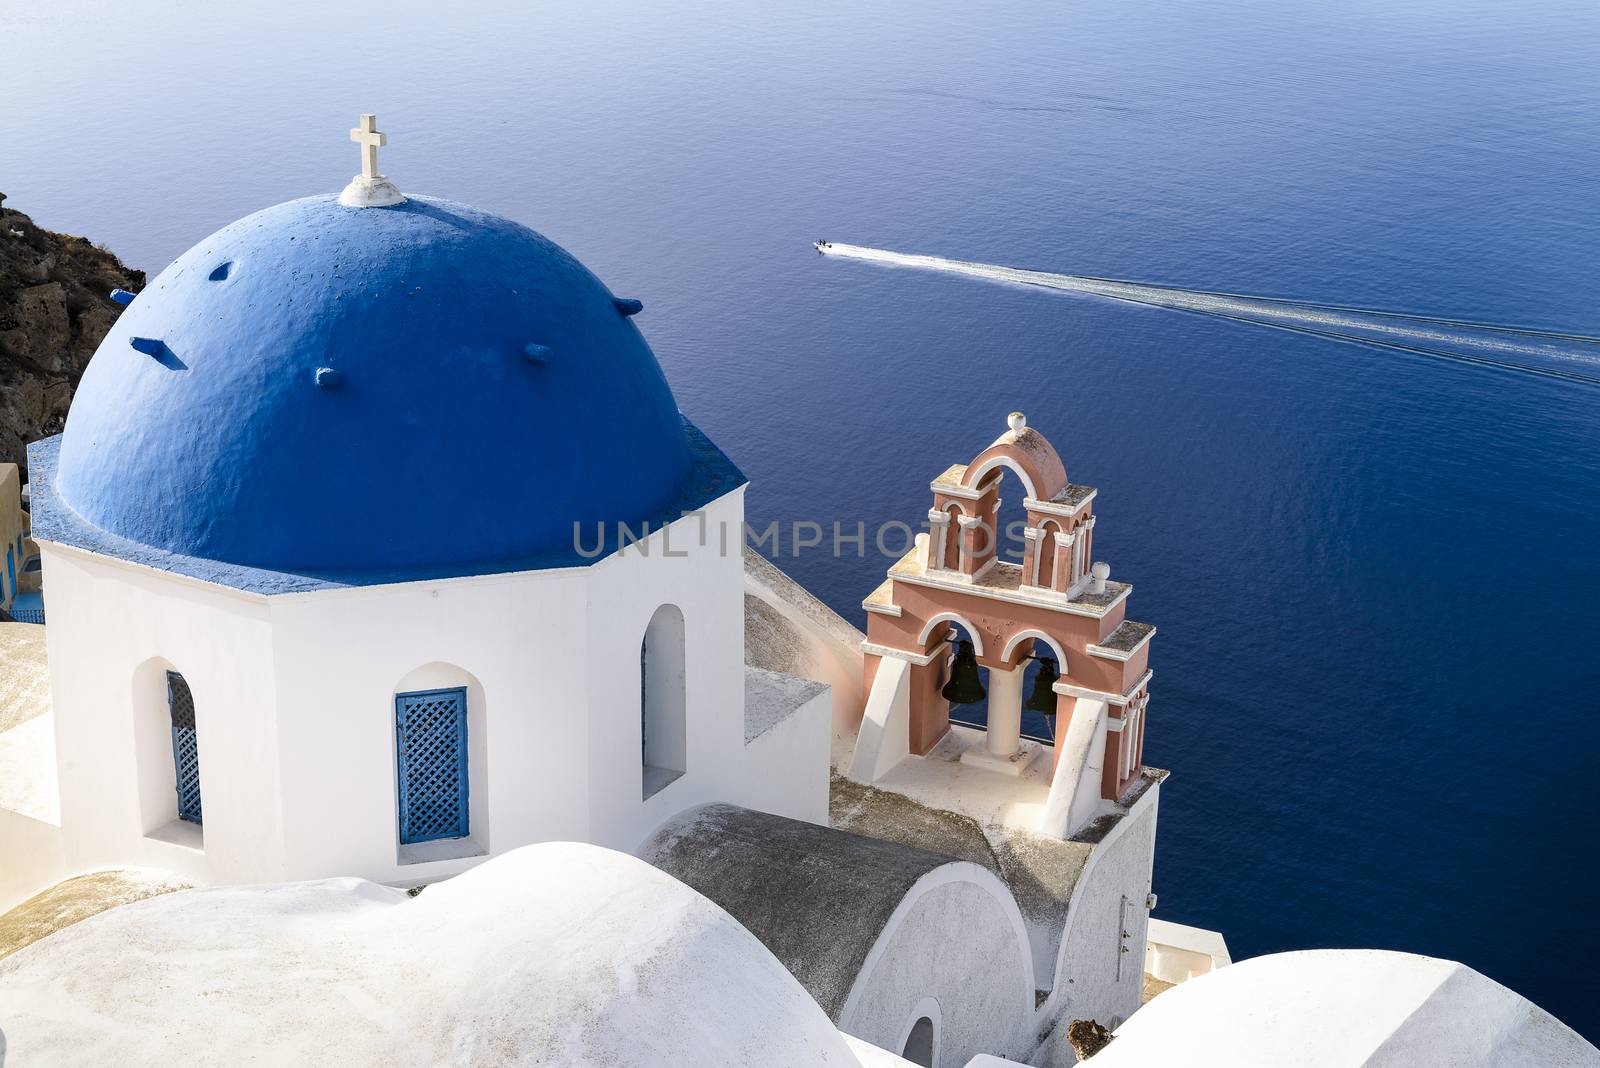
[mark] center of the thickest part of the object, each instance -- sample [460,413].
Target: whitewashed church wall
[1094,978]
[295,709]
[342,656]
[704,578]
[957,941]
[551,663]
[114,631]
[786,770]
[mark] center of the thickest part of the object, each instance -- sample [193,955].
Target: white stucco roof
[1343,1008]
[552,954]
[28,783]
[27,730]
[24,674]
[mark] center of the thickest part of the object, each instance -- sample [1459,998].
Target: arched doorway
[922,1041]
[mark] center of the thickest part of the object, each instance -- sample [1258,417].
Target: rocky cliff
[55,306]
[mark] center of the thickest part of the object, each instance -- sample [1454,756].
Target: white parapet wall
[31,851]
[1176,952]
[788,629]
[31,857]
[1075,788]
[787,732]
[883,741]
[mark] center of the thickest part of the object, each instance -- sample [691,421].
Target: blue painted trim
[123,297]
[157,349]
[406,792]
[9,590]
[28,608]
[711,475]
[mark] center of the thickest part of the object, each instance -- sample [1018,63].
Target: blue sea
[1375,573]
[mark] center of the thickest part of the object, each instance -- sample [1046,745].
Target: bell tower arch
[1056,607]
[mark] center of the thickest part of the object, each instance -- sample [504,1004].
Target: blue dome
[325,389]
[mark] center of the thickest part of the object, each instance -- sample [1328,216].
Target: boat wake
[1524,350]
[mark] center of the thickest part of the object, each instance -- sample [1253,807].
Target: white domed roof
[1343,1008]
[555,954]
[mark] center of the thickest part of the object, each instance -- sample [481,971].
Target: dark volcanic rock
[1088,1038]
[55,306]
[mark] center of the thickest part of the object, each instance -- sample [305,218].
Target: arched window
[185,747]
[919,1043]
[431,764]
[663,700]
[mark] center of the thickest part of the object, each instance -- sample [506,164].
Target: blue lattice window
[431,758]
[185,747]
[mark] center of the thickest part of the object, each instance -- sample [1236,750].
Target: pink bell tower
[1056,603]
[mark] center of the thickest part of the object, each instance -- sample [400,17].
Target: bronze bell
[964,687]
[1043,698]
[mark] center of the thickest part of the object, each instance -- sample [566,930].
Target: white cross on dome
[367,136]
[369,189]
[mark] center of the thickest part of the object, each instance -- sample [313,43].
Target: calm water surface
[1375,576]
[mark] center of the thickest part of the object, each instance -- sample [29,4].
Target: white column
[1036,545]
[1130,727]
[965,523]
[1132,737]
[939,531]
[1005,712]
[1002,749]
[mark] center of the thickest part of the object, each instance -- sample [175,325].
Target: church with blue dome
[355,494]
[409,696]
[376,547]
